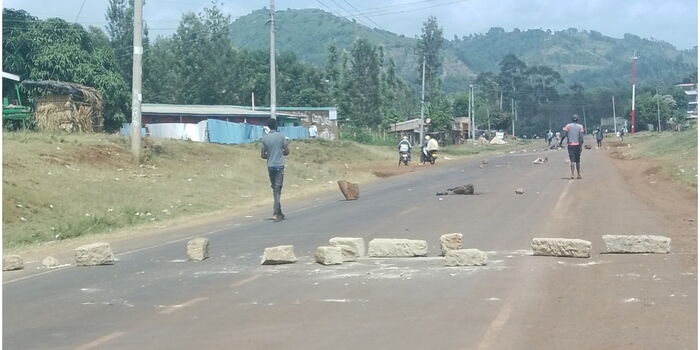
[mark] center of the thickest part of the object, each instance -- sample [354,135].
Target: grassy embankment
[58,186]
[675,152]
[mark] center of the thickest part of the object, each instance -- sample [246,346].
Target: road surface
[151,298]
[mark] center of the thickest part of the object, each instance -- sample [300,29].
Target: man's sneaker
[278,217]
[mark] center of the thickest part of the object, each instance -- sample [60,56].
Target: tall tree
[362,96]
[429,46]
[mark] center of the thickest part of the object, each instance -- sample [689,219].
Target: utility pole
[252,100]
[585,126]
[488,118]
[658,110]
[500,105]
[422,103]
[471,110]
[634,81]
[512,114]
[273,70]
[136,97]
[614,117]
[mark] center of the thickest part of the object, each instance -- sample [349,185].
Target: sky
[673,21]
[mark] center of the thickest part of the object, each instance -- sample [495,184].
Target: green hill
[587,57]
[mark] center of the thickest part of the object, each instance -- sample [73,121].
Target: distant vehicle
[14,114]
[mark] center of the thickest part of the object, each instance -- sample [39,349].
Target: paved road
[153,299]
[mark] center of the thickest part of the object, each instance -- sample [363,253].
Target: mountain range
[586,57]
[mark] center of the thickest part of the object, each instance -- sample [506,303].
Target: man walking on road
[573,133]
[274,148]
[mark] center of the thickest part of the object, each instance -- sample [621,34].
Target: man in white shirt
[313,131]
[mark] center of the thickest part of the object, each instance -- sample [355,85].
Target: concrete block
[198,249]
[465,257]
[576,248]
[450,241]
[637,244]
[283,254]
[396,248]
[329,255]
[356,244]
[12,262]
[94,254]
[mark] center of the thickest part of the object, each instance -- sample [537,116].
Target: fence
[215,131]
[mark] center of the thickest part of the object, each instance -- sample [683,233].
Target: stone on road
[283,254]
[397,248]
[357,244]
[351,191]
[465,257]
[49,262]
[329,255]
[519,190]
[12,262]
[450,241]
[565,247]
[94,254]
[198,249]
[637,244]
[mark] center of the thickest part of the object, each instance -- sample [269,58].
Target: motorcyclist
[405,146]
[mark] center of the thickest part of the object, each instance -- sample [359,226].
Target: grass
[58,186]
[675,152]
[62,186]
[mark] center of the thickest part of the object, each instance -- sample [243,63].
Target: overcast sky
[673,21]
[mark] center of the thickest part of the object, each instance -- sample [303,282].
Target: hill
[587,57]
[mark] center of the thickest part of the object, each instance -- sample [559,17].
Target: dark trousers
[276,179]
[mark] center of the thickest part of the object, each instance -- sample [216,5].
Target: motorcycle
[428,156]
[403,158]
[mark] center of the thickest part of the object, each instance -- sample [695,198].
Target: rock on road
[153,298]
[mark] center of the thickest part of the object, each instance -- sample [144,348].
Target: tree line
[199,64]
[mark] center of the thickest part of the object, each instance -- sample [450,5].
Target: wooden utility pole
[136,97]
[273,70]
[585,126]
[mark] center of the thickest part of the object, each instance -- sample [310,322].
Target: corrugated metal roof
[206,110]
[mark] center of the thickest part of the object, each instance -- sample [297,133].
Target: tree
[429,46]
[54,49]
[362,95]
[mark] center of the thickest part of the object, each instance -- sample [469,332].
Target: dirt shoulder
[676,203]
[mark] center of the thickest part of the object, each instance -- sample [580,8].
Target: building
[170,113]
[66,106]
[691,92]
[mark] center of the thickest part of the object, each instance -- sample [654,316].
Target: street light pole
[422,103]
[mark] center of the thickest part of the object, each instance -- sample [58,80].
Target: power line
[79,11]
[348,12]
[371,20]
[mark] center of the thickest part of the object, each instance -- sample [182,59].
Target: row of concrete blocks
[101,254]
[349,249]
[342,249]
[624,244]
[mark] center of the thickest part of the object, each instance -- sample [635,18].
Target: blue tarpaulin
[125,130]
[294,132]
[226,132]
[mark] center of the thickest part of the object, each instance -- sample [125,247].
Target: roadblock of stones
[94,254]
[198,249]
[637,244]
[562,247]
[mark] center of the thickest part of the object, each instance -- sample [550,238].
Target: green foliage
[54,49]
[429,47]
[587,57]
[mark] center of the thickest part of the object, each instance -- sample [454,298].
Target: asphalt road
[151,298]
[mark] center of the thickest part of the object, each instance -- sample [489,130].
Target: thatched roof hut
[66,106]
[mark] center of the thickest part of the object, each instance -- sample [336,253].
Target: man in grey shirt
[274,148]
